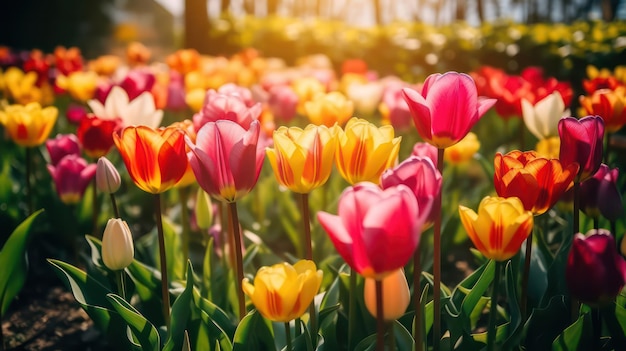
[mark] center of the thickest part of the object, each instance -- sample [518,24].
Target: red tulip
[96,135]
[581,142]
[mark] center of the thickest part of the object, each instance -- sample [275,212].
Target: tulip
[71,176]
[581,142]
[499,228]
[463,151]
[105,65]
[283,102]
[108,179]
[155,159]
[600,195]
[394,108]
[67,60]
[376,231]
[195,99]
[28,125]
[608,104]
[548,148]
[365,151]
[137,54]
[61,146]
[396,295]
[226,158]
[137,112]
[75,113]
[235,90]
[306,89]
[96,135]
[595,273]
[302,159]
[447,108]
[283,292]
[184,60]
[80,85]
[117,245]
[538,182]
[542,118]
[232,107]
[328,109]
[365,97]
[425,150]
[137,82]
[22,87]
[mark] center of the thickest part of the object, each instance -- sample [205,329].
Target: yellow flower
[549,148]
[80,85]
[195,99]
[396,295]
[306,88]
[29,125]
[283,292]
[462,151]
[302,159]
[328,109]
[22,87]
[499,228]
[365,151]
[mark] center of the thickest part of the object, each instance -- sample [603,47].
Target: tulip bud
[107,177]
[117,245]
[396,295]
[204,210]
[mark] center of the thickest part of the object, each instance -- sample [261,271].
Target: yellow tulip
[463,151]
[364,151]
[29,125]
[80,85]
[328,109]
[549,148]
[283,292]
[22,87]
[195,99]
[499,228]
[306,89]
[302,159]
[396,295]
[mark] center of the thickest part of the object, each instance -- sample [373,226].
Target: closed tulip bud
[108,179]
[117,245]
[204,210]
[396,295]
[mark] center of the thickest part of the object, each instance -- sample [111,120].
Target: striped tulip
[28,125]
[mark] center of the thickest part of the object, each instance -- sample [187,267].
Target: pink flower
[422,177]
[394,107]
[283,102]
[233,89]
[137,82]
[230,107]
[75,113]
[599,195]
[581,142]
[226,158]
[447,108]
[71,176]
[61,146]
[376,231]
[425,150]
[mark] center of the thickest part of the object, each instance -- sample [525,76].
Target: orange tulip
[608,104]
[155,159]
[538,182]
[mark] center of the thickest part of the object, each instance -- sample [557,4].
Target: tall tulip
[220,106]
[365,151]
[600,195]
[133,112]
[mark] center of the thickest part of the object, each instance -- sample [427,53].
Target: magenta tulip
[421,176]
[599,195]
[226,159]
[581,142]
[71,176]
[595,272]
[447,108]
[376,231]
[425,150]
[61,146]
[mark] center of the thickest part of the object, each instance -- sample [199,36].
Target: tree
[197,26]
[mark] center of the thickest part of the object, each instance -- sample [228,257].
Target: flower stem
[574,305]
[596,322]
[288,336]
[526,273]
[306,228]
[95,211]
[417,294]
[29,187]
[165,294]
[392,337]
[232,208]
[116,211]
[437,260]
[119,275]
[351,308]
[183,196]
[493,312]
[380,318]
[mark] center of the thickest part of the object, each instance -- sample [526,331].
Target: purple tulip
[71,176]
[61,146]
[599,194]
[581,142]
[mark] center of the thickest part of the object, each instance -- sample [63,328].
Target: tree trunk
[461,8]
[609,9]
[197,26]
[480,10]
[378,11]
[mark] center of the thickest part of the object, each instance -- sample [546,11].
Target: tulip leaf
[181,312]
[254,333]
[217,315]
[208,265]
[142,329]
[366,344]
[173,250]
[614,315]
[14,262]
[211,330]
[545,324]
[575,337]
[303,341]
[404,339]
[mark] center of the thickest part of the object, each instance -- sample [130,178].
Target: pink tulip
[233,89]
[71,176]
[226,158]
[376,231]
[137,82]
[422,177]
[61,146]
[425,150]
[399,114]
[447,108]
[230,107]
[581,142]
[283,102]
[75,113]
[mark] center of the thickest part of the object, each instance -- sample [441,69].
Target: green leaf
[216,314]
[515,324]
[545,324]
[14,262]
[575,337]
[254,333]
[142,329]
[404,339]
[207,270]
[186,343]
[367,344]
[180,314]
[173,250]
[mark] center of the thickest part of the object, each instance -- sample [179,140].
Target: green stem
[417,294]
[119,275]
[493,312]
[95,209]
[165,294]
[232,209]
[306,227]
[392,337]
[297,327]
[29,187]
[526,273]
[380,317]
[596,322]
[183,195]
[288,336]
[607,148]
[116,211]
[351,308]
[437,260]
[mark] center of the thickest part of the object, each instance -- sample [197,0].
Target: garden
[323,186]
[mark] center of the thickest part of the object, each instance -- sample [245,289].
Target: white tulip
[117,245]
[542,119]
[140,111]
